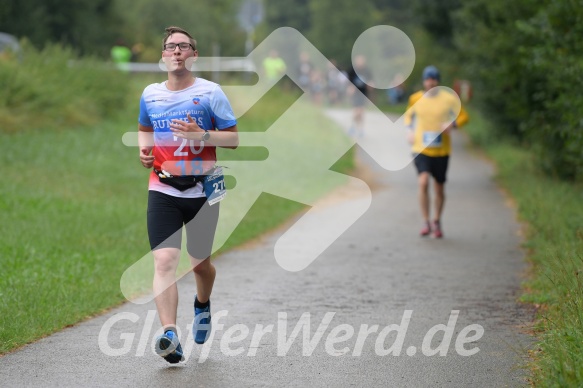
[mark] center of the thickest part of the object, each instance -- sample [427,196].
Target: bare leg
[358,120]
[439,199]
[165,291]
[424,195]
[204,274]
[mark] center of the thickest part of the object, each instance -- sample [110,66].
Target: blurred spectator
[333,83]
[273,66]
[305,68]
[121,55]
[463,88]
[317,86]
[361,79]
[396,94]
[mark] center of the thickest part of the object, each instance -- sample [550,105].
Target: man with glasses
[181,122]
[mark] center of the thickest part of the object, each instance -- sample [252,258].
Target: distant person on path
[396,94]
[361,79]
[181,121]
[121,55]
[273,66]
[317,86]
[429,121]
[333,83]
[305,69]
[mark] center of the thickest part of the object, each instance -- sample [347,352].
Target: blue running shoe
[202,325]
[168,347]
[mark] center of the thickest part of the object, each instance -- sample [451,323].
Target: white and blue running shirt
[206,103]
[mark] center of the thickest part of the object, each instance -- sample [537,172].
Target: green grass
[553,212]
[73,207]
[69,227]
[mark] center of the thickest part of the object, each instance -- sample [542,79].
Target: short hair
[172,30]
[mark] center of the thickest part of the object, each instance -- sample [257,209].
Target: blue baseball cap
[431,72]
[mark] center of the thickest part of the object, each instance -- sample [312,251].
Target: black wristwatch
[206,135]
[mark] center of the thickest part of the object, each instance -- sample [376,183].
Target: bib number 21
[214,186]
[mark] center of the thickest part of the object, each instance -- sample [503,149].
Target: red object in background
[463,88]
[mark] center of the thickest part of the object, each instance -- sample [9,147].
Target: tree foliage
[523,57]
[291,13]
[526,60]
[488,45]
[211,23]
[436,18]
[334,29]
[87,26]
[555,60]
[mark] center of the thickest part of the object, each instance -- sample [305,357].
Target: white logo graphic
[389,52]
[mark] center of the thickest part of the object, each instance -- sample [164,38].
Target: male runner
[429,120]
[181,122]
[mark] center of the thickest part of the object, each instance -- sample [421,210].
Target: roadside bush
[525,59]
[556,58]
[53,88]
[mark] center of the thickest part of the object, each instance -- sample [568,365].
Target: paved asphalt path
[378,272]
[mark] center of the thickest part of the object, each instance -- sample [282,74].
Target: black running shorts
[434,165]
[167,214]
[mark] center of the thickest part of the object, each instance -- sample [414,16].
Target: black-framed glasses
[182,46]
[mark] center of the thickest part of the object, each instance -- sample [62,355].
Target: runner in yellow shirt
[429,120]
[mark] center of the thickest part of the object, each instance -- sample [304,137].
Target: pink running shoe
[437,233]
[426,230]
